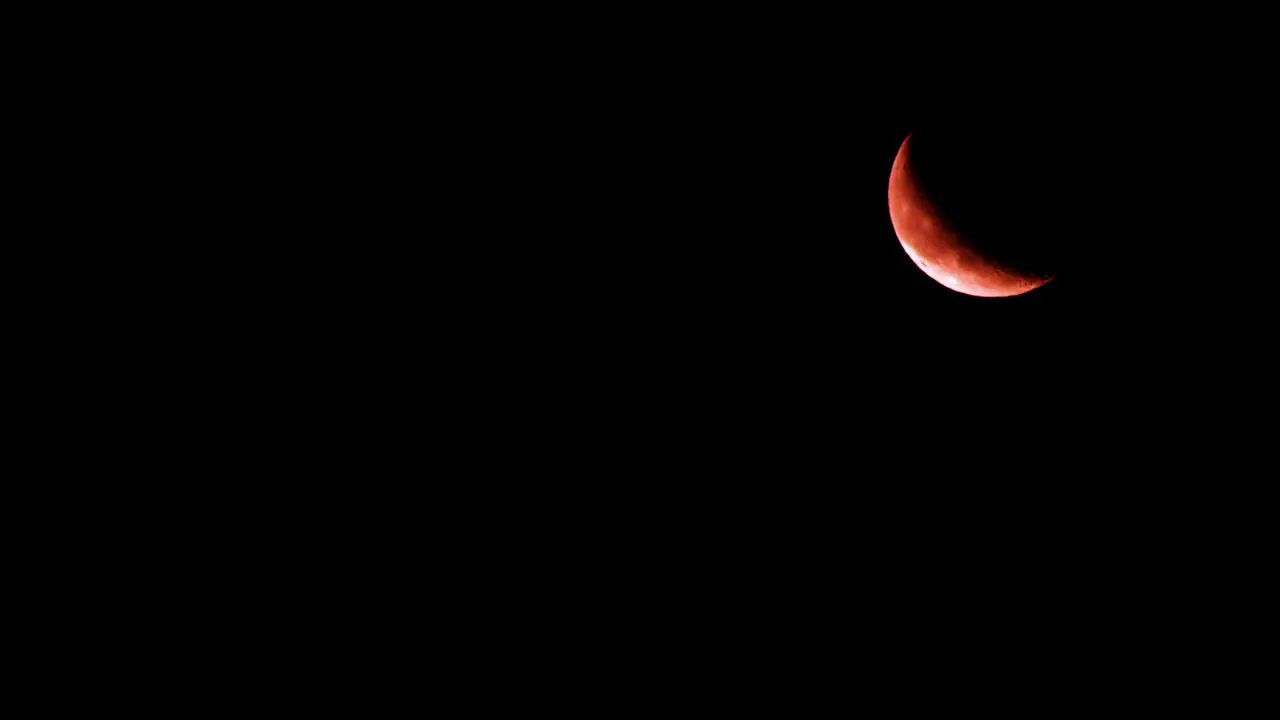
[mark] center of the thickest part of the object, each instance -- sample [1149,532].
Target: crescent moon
[938,249]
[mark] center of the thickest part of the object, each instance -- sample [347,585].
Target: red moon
[937,249]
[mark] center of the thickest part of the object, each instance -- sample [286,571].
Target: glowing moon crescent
[935,246]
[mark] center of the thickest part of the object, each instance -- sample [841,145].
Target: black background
[594,293]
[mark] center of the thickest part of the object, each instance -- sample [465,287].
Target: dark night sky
[605,307]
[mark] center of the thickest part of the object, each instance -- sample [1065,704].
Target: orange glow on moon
[937,249]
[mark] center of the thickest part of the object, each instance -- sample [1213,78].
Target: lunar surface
[937,248]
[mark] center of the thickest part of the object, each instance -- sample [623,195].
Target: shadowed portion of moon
[963,221]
